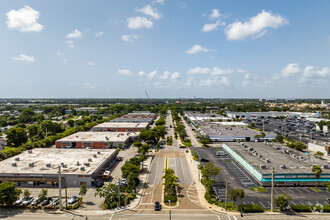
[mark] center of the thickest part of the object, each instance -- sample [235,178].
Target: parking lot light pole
[119,194]
[60,186]
[272,192]
[226,198]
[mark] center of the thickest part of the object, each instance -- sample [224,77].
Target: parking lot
[237,177]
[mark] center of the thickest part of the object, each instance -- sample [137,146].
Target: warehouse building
[291,167]
[140,114]
[120,127]
[193,116]
[97,140]
[323,147]
[262,115]
[39,167]
[132,120]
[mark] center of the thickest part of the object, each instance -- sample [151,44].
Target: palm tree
[317,172]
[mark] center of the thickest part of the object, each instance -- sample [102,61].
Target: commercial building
[323,147]
[140,114]
[132,120]
[261,115]
[193,116]
[120,127]
[291,167]
[39,167]
[97,140]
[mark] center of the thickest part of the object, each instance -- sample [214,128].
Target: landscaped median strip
[169,187]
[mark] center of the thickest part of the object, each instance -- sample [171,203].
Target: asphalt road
[238,177]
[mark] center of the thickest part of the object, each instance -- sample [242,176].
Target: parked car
[119,158]
[27,201]
[73,200]
[46,201]
[182,146]
[123,182]
[36,201]
[204,160]
[158,206]
[221,153]
[99,183]
[55,202]
[19,201]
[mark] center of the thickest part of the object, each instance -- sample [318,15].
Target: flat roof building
[140,114]
[39,167]
[120,127]
[97,140]
[291,167]
[132,120]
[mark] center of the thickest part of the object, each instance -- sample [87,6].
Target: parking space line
[309,203]
[293,203]
[290,190]
[298,190]
[301,202]
[262,204]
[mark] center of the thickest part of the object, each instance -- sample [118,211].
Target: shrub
[300,208]
[210,198]
[250,208]
[319,208]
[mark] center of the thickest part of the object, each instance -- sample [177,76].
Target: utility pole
[66,195]
[263,125]
[226,199]
[118,193]
[272,192]
[60,186]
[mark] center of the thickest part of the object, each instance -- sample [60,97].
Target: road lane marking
[228,217]
[235,217]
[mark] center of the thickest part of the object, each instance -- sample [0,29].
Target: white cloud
[24,58]
[24,20]
[189,82]
[99,34]
[90,85]
[216,71]
[173,76]
[211,27]
[215,14]
[75,34]
[289,70]
[58,53]
[70,43]
[139,22]
[148,75]
[130,38]
[315,73]
[126,72]
[90,63]
[255,26]
[215,82]
[148,10]
[197,49]
[159,1]
[65,60]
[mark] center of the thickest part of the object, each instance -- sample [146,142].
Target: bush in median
[300,208]
[250,208]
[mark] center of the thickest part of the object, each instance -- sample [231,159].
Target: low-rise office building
[291,167]
[97,140]
[120,127]
[132,120]
[323,147]
[140,114]
[39,167]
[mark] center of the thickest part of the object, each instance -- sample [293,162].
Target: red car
[119,158]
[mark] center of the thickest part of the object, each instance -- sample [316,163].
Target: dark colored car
[182,146]
[204,160]
[46,201]
[158,206]
[119,158]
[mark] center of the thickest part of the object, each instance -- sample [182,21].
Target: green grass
[259,189]
[227,161]
[316,189]
[230,205]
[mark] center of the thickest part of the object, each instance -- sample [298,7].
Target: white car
[55,202]
[221,153]
[27,202]
[123,182]
[19,201]
[35,201]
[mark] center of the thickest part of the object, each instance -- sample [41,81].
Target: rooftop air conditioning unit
[325,166]
[90,160]
[86,164]
[31,164]
[14,164]
[48,165]
[267,160]
[30,151]
[82,168]
[17,159]
[65,166]
[78,163]
[282,167]
[95,155]
[98,152]
[262,166]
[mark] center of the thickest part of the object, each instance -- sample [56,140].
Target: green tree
[279,138]
[26,194]
[319,154]
[43,194]
[16,137]
[236,194]
[128,168]
[83,190]
[71,123]
[9,193]
[50,127]
[110,194]
[317,172]
[210,171]
[282,201]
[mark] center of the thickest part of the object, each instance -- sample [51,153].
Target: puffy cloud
[139,22]
[90,63]
[159,1]
[148,10]
[24,58]
[70,43]
[215,82]
[216,71]
[211,27]
[58,53]
[99,34]
[256,26]
[75,34]
[172,76]
[197,49]
[215,14]
[24,20]
[148,75]
[315,73]
[65,60]
[289,70]
[130,38]
[126,72]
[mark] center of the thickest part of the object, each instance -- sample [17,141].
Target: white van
[221,153]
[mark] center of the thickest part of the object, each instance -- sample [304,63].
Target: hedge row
[250,208]
[300,208]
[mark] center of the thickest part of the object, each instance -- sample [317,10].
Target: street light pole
[60,186]
[226,198]
[119,194]
[272,192]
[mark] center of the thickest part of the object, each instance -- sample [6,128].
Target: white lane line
[111,216]
[301,202]
[218,217]
[262,204]
[228,217]
[299,190]
[293,203]
[244,202]
[290,190]
[309,203]
[235,217]
[269,203]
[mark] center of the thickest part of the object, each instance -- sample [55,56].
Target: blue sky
[119,49]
